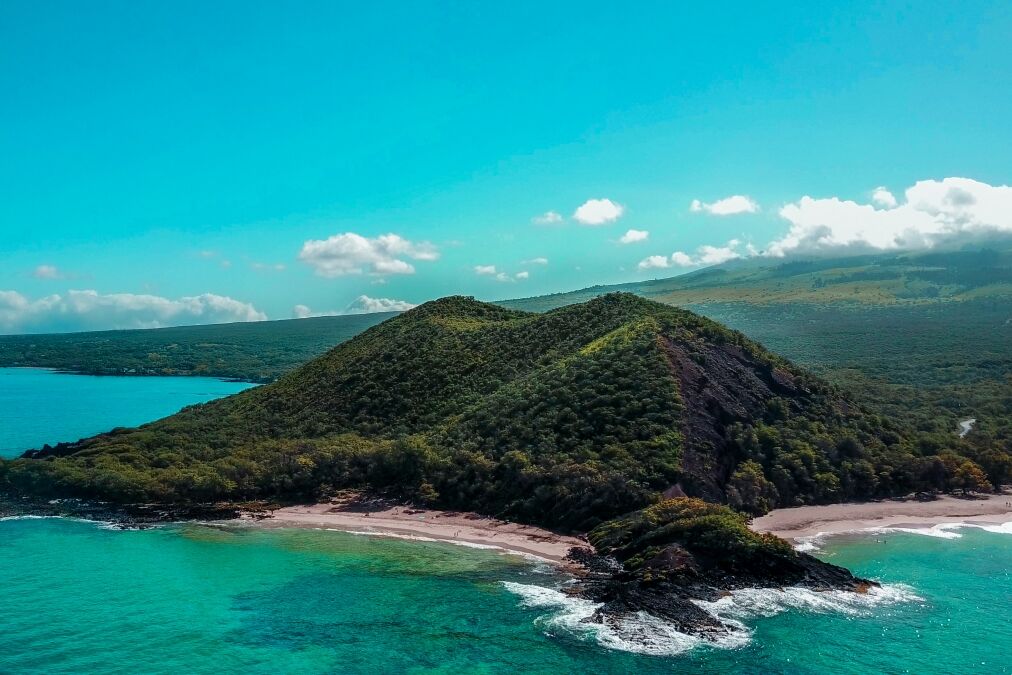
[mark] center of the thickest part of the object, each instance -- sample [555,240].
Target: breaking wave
[752,602]
[939,531]
[646,634]
[641,633]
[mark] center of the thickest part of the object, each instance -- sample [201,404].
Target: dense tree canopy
[566,418]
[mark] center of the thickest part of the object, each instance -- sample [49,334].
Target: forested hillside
[923,338]
[566,418]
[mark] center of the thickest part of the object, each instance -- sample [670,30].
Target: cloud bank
[350,253]
[91,310]
[933,212]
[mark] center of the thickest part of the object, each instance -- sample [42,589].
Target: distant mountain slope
[872,280]
[566,418]
[255,351]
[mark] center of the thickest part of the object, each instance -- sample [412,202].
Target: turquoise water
[79,597]
[193,598]
[44,406]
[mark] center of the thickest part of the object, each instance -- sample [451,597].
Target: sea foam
[752,602]
[646,634]
[641,633]
[938,531]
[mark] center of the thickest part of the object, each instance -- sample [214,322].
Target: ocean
[40,406]
[198,598]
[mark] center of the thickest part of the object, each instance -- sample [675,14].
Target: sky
[185,162]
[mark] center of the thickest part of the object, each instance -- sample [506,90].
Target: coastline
[454,527]
[804,522]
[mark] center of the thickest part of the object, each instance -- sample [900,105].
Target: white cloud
[363,304]
[536,261]
[884,198]
[715,255]
[598,212]
[633,236]
[728,206]
[350,253]
[932,212]
[90,310]
[654,262]
[705,255]
[547,218]
[682,259]
[492,271]
[47,272]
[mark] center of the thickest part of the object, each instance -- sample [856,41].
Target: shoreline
[454,527]
[805,522]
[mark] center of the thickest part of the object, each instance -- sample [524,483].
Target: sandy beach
[450,526]
[809,521]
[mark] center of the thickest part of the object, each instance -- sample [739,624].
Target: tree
[970,478]
[749,491]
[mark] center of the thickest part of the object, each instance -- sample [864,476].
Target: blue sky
[197,150]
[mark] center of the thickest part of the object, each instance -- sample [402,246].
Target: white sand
[809,521]
[454,527]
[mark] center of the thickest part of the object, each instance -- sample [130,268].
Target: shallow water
[43,406]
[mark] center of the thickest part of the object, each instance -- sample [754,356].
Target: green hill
[908,291]
[566,418]
[921,337]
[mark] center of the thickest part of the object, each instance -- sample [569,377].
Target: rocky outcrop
[663,558]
